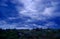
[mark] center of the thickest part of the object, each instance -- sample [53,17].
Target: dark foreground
[30,34]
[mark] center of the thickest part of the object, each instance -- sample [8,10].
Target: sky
[29,14]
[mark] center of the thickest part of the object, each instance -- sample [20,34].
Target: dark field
[30,34]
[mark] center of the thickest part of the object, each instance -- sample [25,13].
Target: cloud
[31,14]
[31,10]
[5,25]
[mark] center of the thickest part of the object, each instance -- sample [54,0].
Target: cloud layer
[29,14]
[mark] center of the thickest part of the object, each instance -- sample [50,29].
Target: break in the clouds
[27,14]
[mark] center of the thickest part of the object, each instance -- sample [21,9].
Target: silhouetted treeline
[30,34]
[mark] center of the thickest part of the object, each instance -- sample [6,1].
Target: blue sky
[28,14]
